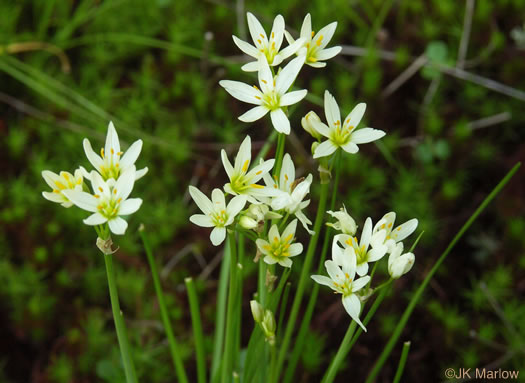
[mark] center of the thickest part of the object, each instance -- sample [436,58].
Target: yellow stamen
[116,165]
[390,224]
[245,166]
[273,35]
[287,239]
[119,200]
[313,33]
[319,40]
[286,177]
[112,151]
[99,207]
[119,153]
[259,41]
[347,276]
[312,59]
[382,226]
[398,229]
[56,191]
[257,97]
[102,152]
[114,191]
[101,190]
[260,34]
[255,86]
[264,81]
[96,196]
[273,45]
[64,174]
[60,185]
[267,247]
[79,181]
[257,186]
[259,172]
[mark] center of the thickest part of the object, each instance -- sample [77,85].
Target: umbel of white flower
[242,181]
[341,270]
[290,192]
[60,183]
[109,200]
[216,213]
[112,161]
[272,96]
[345,223]
[315,43]
[344,136]
[280,248]
[397,234]
[266,46]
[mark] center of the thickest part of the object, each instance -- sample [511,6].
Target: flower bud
[269,326]
[345,223]
[398,264]
[257,311]
[307,123]
[247,222]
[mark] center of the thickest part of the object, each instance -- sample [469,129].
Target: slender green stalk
[305,323]
[220,318]
[282,309]
[279,154]
[290,326]
[340,355]
[402,362]
[415,298]
[125,350]
[175,356]
[261,292]
[227,366]
[197,330]
[238,305]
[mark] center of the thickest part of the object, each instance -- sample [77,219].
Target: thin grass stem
[197,330]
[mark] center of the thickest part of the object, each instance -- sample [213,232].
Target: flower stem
[175,356]
[279,154]
[341,353]
[129,368]
[197,330]
[227,367]
[290,326]
[419,292]
[402,362]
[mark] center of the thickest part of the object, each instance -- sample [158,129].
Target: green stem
[413,302]
[305,324]
[290,326]
[197,330]
[125,350]
[340,355]
[402,362]
[175,356]
[279,154]
[227,366]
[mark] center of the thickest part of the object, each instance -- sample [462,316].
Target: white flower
[109,202]
[397,234]
[290,192]
[363,254]
[272,96]
[342,269]
[59,183]
[257,311]
[216,213]
[264,47]
[345,223]
[242,181]
[307,124]
[315,44]
[110,164]
[279,249]
[398,264]
[346,136]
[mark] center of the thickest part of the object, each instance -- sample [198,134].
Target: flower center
[281,248]
[111,167]
[341,135]
[346,287]
[219,218]
[272,100]
[109,208]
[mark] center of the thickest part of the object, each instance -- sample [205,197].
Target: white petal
[377,253]
[290,230]
[280,121]
[358,284]
[255,27]
[218,200]
[404,230]
[141,173]
[262,246]
[353,307]
[331,110]
[201,220]
[295,249]
[277,32]
[327,54]
[362,269]
[258,171]
[334,271]
[288,75]
[130,157]
[118,226]
[325,149]
[50,178]
[265,75]
[54,197]
[318,64]
[254,114]
[354,117]
[253,66]
[289,37]
[217,236]
[82,199]
[270,260]
[244,156]
[201,200]
[226,163]
[290,49]
[125,182]
[130,206]
[95,160]
[293,97]
[321,128]
[286,262]
[365,135]
[322,280]
[327,33]
[242,91]
[249,49]
[304,221]
[306,28]
[350,147]
[95,219]
[235,206]
[366,234]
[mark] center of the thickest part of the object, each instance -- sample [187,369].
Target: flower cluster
[351,256]
[111,184]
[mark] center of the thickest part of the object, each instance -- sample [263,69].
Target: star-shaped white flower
[290,192]
[280,248]
[109,202]
[345,223]
[264,46]
[216,213]
[242,181]
[112,162]
[397,234]
[345,136]
[342,270]
[59,183]
[272,96]
[398,264]
[363,254]
[315,44]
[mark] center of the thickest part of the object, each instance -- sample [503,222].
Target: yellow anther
[307,45]
[399,228]
[112,151]
[257,97]
[65,175]
[319,40]
[312,59]
[382,226]
[349,241]
[56,191]
[260,34]
[286,177]
[259,41]
[273,45]
[245,166]
[257,186]
[273,35]
[101,190]
[264,81]
[275,239]
[255,86]
[99,207]
[119,200]
[96,196]
[79,181]
[120,153]
[347,276]
[115,191]
[267,247]
[313,33]
[390,224]
[287,239]
[259,172]
[223,212]
[60,185]
[116,165]
[275,186]
[102,152]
